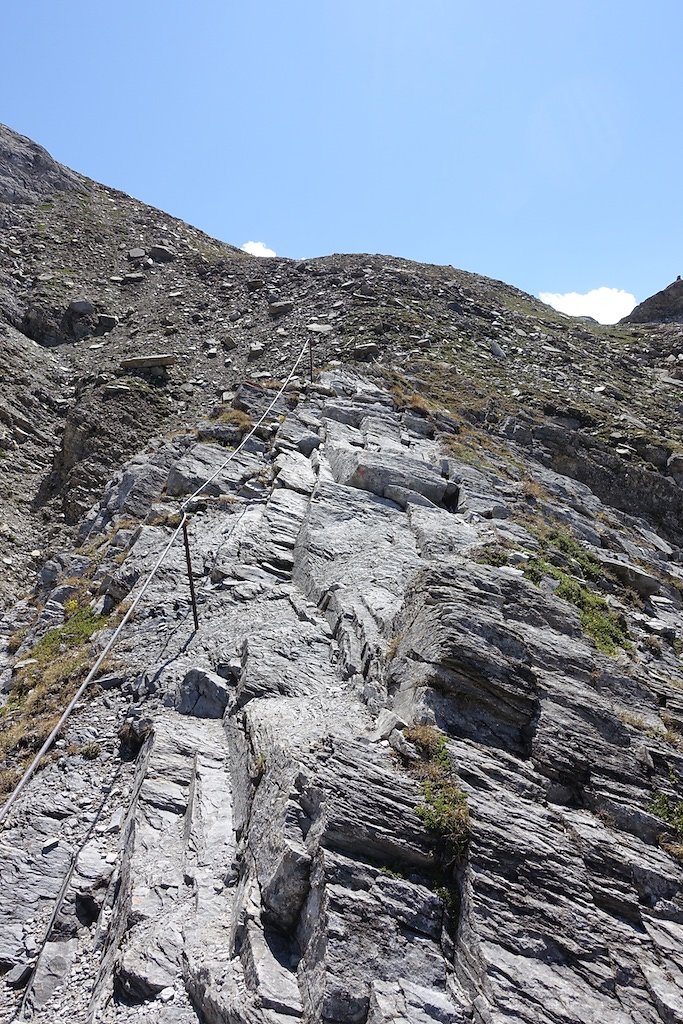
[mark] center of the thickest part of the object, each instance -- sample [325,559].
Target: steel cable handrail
[18,789]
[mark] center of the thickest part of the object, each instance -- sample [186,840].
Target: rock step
[180,851]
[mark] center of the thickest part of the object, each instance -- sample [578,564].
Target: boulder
[106,322]
[366,351]
[142,362]
[81,307]
[634,576]
[280,307]
[162,254]
[202,694]
[675,466]
[382,473]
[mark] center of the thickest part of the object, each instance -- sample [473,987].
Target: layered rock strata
[251,841]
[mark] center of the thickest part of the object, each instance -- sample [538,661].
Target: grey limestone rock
[82,307]
[202,694]
[280,307]
[29,173]
[162,253]
[267,852]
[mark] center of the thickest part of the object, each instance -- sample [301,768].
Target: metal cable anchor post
[193,597]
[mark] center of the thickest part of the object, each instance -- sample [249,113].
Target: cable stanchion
[193,597]
[180,528]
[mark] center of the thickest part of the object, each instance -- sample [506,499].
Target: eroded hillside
[423,758]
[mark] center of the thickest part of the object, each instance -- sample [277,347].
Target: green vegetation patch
[559,538]
[565,542]
[444,810]
[236,418]
[77,630]
[450,897]
[606,628]
[56,665]
[670,811]
[493,554]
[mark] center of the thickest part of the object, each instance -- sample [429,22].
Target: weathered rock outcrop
[422,760]
[27,171]
[267,850]
[662,307]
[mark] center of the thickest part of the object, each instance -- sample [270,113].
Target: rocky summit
[664,307]
[421,762]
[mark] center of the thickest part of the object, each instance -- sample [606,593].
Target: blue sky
[536,142]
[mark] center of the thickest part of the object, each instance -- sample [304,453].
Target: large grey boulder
[81,307]
[202,694]
[634,576]
[162,253]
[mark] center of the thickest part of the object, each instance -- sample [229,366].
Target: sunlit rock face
[422,759]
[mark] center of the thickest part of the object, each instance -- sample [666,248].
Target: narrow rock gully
[245,846]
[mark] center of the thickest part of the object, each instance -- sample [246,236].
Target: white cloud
[257,249]
[606,305]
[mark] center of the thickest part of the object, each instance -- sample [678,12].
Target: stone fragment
[203,694]
[17,976]
[387,721]
[142,362]
[162,253]
[24,663]
[634,576]
[280,308]
[401,745]
[295,471]
[368,350]
[81,307]
[106,322]
[675,467]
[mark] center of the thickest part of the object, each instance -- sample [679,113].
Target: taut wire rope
[28,773]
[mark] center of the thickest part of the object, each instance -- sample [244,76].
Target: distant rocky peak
[661,308]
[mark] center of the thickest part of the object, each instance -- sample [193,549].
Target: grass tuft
[444,810]
[670,811]
[236,418]
[493,554]
[606,628]
[59,663]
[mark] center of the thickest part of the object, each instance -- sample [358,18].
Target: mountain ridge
[100,227]
[423,759]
